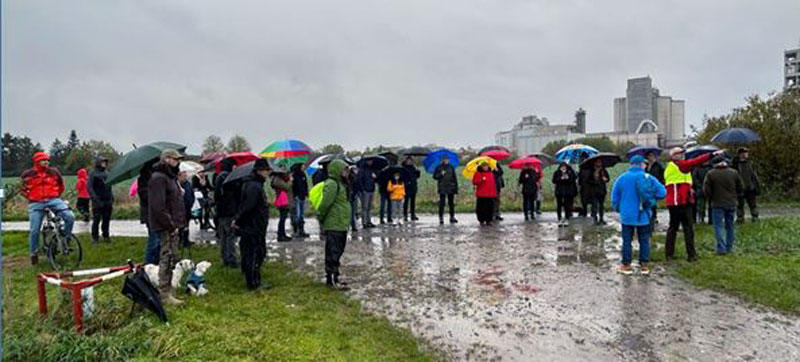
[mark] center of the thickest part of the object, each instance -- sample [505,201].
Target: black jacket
[99,189]
[656,170]
[411,183]
[565,182]
[143,182]
[698,178]
[165,199]
[583,182]
[226,196]
[188,199]
[253,214]
[529,179]
[366,179]
[498,178]
[299,184]
[595,182]
[204,189]
[445,176]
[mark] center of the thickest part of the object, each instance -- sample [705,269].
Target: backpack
[647,194]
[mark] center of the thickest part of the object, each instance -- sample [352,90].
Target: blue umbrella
[736,135]
[700,150]
[572,153]
[642,150]
[435,157]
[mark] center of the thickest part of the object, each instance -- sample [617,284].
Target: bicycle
[63,251]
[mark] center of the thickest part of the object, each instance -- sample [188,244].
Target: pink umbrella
[496,154]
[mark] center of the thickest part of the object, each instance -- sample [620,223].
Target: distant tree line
[67,156]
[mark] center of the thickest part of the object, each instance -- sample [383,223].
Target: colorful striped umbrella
[287,152]
[572,153]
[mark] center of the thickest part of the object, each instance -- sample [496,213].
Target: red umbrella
[240,157]
[212,157]
[496,154]
[524,161]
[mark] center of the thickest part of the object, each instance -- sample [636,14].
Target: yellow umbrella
[472,167]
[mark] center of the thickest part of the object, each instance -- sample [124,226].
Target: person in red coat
[485,193]
[83,194]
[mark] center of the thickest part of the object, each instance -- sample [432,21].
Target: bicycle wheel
[65,253]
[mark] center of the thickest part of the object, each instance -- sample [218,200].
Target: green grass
[764,268]
[298,319]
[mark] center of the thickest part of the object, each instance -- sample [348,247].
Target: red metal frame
[76,287]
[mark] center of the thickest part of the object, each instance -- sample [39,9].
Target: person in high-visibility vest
[680,198]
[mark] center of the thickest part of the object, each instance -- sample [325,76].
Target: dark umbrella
[391,157]
[643,150]
[415,151]
[240,158]
[242,171]
[129,165]
[700,150]
[138,288]
[493,148]
[736,135]
[387,173]
[609,160]
[378,162]
[546,159]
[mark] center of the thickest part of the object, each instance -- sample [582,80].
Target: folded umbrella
[572,153]
[472,166]
[736,135]
[129,165]
[524,161]
[643,150]
[435,157]
[700,150]
[138,288]
[607,158]
[415,151]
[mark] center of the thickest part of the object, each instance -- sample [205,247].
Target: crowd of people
[707,185]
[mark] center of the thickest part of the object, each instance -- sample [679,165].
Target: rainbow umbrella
[287,152]
[472,166]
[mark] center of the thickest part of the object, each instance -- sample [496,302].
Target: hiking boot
[414,218]
[453,220]
[338,281]
[624,269]
[169,299]
[644,269]
[405,218]
[284,238]
[34,259]
[441,221]
[328,280]
[382,222]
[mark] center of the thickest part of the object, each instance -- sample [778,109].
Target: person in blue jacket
[627,199]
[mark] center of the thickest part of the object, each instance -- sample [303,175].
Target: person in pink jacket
[83,194]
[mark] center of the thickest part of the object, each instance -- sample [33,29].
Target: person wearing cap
[102,199]
[333,214]
[680,199]
[752,185]
[722,187]
[655,169]
[166,217]
[251,222]
[42,186]
[634,216]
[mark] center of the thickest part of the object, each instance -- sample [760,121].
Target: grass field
[298,319]
[764,268]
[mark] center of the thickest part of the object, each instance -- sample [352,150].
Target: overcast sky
[371,72]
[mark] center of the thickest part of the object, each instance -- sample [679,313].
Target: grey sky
[372,72]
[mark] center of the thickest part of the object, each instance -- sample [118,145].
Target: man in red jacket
[42,185]
[678,181]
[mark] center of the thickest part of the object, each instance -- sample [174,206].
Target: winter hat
[636,159]
[676,151]
[171,153]
[261,164]
[39,156]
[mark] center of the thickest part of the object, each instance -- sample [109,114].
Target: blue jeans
[386,207]
[724,245]
[299,211]
[36,216]
[644,243]
[152,252]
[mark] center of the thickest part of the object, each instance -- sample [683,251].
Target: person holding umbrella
[251,221]
[752,185]
[102,199]
[566,189]
[226,196]
[300,192]
[447,188]
[366,182]
[529,179]
[166,216]
[596,184]
[282,185]
[333,213]
[485,194]
[500,183]
[655,169]
[410,202]
[678,180]
[584,174]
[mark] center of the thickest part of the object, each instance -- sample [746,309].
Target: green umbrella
[129,165]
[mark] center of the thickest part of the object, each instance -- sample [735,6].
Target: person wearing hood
[152,251]
[102,199]
[447,188]
[397,194]
[300,192]
[529,179]
[752,185]
[500,183]
[188,202]
[722,187]
[655,169]
[566,189]
[42,186]
[83,194]
[366,179]
[251,222]
[321,175]
[226,196]
[334,216]
[701,204]
[597,190]
[634,212]
[410,202]
[485,194]
[281,183]
[166,217]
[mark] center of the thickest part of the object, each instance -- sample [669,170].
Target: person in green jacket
[334,216]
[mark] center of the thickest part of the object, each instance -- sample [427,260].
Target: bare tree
[238,143]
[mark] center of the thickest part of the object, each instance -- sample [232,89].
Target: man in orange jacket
[42,185]
[678,181]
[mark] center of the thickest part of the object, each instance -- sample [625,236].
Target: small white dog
[177,274]
[196,284]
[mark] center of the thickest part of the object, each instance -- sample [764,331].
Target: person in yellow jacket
[397,193]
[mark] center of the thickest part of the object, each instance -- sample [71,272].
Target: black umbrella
[609,160]
[378,162]
[138,288]
[388,173]
[546,159]
[326,159]
[242,171]
[494,148]
[736,135]
[700,150]
[415,151]
[391,157]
